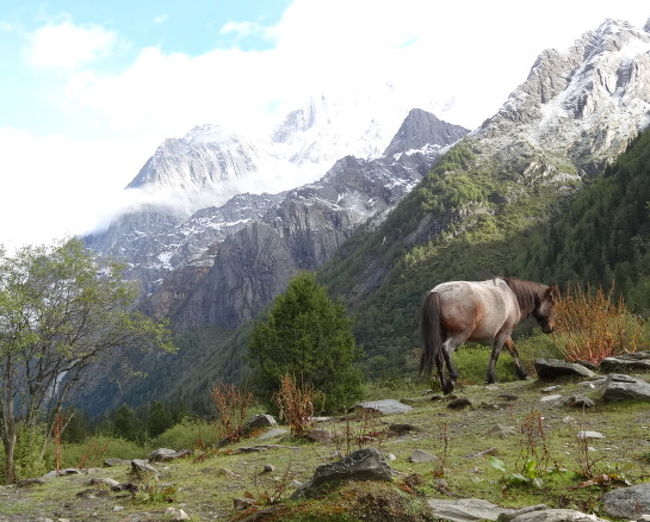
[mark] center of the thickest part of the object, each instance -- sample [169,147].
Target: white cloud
[465,55]
[160,19]
[68,46]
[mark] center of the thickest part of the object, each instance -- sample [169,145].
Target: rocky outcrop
[623,387]
[421,128]
[363,464]
[551,369]
[630,503]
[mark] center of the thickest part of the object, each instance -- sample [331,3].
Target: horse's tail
[431,335]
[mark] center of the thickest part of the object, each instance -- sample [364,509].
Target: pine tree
[308,336]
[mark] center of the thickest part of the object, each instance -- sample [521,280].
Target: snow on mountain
[211,164]
[585,104]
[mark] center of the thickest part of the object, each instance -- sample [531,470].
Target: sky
[89,89]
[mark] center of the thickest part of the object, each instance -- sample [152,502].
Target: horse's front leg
[499,340]
[519,369]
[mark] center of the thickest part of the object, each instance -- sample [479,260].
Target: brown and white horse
[460,311]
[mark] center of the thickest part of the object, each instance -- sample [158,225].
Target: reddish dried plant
[296,404]
[591,326]
[232,405]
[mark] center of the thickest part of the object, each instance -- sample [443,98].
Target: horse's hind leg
[519,369]
[499,340]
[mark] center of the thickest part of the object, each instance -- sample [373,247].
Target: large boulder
[363,464]
[554,515]
[626,362]
[257,422]
[630,502]
[465,509]
[623,387]
[551,369]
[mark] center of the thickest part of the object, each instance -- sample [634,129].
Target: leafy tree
[307,335]
[127,425]
[158,419]
[61,311]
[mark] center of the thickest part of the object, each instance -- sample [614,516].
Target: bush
[28,456]
[590,327]
[93,451]
[187,434]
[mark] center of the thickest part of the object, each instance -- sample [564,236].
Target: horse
[459,311]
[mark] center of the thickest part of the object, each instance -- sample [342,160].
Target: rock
[551,369]
[391,457]
[118,508]
[626,362]
[585,435]
[401,429]
[551,398]
[105,481]
[240,504]
[501,431]
[227,472]
[164,454]
[465,509]
[257,422]
[268,468]
[275,432]
[630,502]
[578,401]
[383,407]
[419,456]
[319,435]
[363,464]
[175,514]
[110,463]
[623,387]
[141,467]
[550,389]
[460,403]
[552,515]
[23,483]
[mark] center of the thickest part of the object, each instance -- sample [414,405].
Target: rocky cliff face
[223,263]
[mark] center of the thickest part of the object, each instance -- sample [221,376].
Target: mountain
[483,202]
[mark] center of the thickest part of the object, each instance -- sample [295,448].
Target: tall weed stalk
[232,404]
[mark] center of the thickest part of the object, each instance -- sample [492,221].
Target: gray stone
[465,509]
[502,431]
[626,362]
[555,515]
[319,435]
[112,483]
[165,454]
[551,398]
[459,404]
[419,456]
[109,463]
[551,369]
[630,502]
[585,435]
[623,387]
[140,467]
[30,482]
[272,433]
[506,517]
[578,401]
[268,468]
[383,407]
[363,464]
[175,514]
[552,388]
[257,422]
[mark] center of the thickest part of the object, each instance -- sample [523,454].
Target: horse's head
[544,310]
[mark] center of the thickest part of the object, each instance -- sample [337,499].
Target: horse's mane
[529,294]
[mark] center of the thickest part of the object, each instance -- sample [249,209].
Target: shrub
[93,451]
[187,434]
[296,404]
[590,327]
[232,404]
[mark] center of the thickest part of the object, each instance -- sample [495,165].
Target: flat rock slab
[110,463]
[383,407]
[626,362]
[165,454]
[466,509]
[419,456]
[630,503]
[551,369]
[619,387]
[555,515]
[363,464]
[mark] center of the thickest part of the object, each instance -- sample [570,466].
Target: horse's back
[480,307]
